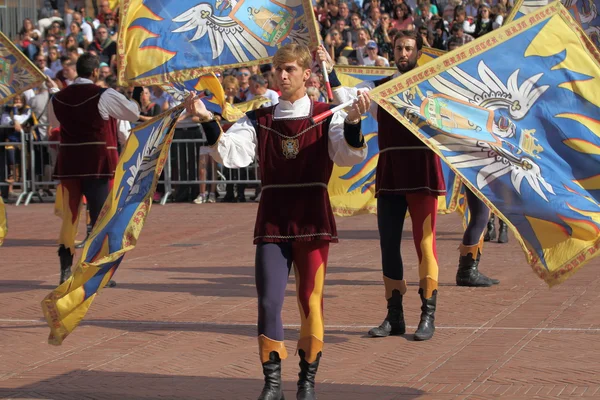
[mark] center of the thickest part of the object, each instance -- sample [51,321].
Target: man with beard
[409,177]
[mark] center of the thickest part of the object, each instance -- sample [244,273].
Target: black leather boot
[503,233]
[468,273]
[393,324]
[306,377]
[66,261]
[490,233]
[426,326]
[272,371]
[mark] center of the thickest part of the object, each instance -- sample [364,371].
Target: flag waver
[173,41]
[352,189]
[523,136]
[17,73]
[118,226]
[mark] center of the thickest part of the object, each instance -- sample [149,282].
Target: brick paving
[181,322]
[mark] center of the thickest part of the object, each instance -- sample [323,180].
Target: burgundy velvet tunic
[295,168]
[88,143]
[405,163]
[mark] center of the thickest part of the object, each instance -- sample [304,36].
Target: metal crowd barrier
[186,152]
[39,157]
[21,146]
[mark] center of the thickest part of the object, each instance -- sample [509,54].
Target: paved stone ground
[180,324]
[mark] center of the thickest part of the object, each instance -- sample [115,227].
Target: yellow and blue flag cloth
[165,41]
[17,72]
[585,12]
[352,189]
[428,54]
[523,135]
[3,221]
[118,227]
[214,102]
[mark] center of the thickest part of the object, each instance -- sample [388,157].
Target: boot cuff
[393,284]
[266,346]
[466,250]
[428,286]
[311,347]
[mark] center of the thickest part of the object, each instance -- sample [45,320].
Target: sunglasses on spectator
[243,74]
[218,75]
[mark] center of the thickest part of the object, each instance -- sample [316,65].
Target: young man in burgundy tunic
[295,224]
[87,115]
[408,177]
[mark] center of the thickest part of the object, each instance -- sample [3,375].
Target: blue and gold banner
[3,223]
[164,41]
[118,227]
[17,73]
[583,11]
[523,135]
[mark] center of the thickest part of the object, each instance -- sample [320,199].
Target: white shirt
[367,62]
[236,148]
[269,94]
[111,104]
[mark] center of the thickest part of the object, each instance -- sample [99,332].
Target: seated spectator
[372,56]
[313,93]
[163,99]
[484,22]
[71,41]
[104,46]
[68,73]
[42,63]
[258,87]
[498,14]
[53,61]
[459,34]
[29,39]
[148,109]
[111,24]
[403,20]
[105,71]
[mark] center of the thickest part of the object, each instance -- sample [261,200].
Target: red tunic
[402,169]
[288,212]
[88,143]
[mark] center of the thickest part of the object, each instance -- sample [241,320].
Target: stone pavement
[181,322]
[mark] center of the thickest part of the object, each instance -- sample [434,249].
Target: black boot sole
[422,338]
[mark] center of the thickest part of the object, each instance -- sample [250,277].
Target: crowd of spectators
[355,32]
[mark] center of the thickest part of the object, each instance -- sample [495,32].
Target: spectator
[359,46]
[86,28]
[258,87]
[53,61]
[68,73]
[372,56]
[374,20]
[243,76]
[148,109]
[41,62]
[498,14]
[403,20]
[382,36]
[18,116]
[105,71]
[29,39]
[71,41]
[315,81]
[335,42]
[313,93]
[104,46]
[356,25]
[73,53]
[459,35]
[76,33]
[163,99]
[111,25]
[472,8]
[484,22]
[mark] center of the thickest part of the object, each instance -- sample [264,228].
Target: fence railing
[186,161]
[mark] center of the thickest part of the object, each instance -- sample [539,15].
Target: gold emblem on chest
[290,147]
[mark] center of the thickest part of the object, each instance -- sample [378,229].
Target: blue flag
[164,41]
[118,226]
